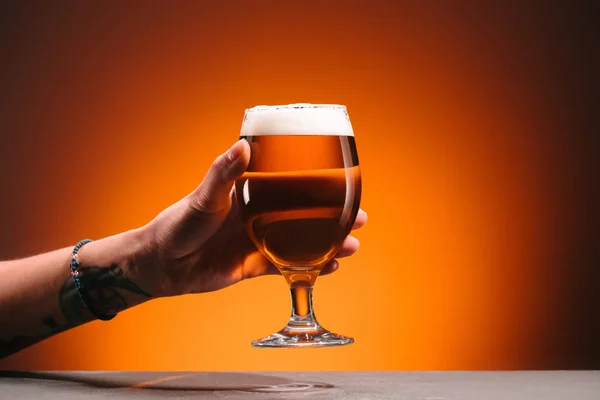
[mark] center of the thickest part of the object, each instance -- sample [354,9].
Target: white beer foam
[297,119]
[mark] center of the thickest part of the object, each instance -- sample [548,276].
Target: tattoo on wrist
[105,286]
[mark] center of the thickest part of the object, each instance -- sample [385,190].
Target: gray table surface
[546,385]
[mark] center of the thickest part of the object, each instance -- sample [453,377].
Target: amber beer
[300,195]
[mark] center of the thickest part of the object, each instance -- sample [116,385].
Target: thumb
[213,194]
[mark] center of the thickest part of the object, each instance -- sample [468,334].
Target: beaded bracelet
[83,295]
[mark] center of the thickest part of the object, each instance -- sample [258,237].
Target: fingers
[361,219]
[213,194]
[349,247]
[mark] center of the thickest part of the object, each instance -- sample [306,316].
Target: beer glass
[298,201]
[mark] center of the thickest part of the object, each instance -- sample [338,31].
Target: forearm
[38,297]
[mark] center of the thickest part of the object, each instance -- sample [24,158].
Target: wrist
[140,262]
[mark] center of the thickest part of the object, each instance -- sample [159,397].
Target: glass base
[291,336]
[302,329]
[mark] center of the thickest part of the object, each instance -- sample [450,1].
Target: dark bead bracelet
[83,295]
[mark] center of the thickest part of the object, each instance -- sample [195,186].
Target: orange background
[470,125]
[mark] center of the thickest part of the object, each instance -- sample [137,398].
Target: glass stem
[303,315]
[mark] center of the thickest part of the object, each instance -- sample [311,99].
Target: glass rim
[296,106]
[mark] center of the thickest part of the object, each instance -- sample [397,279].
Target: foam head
[297,119]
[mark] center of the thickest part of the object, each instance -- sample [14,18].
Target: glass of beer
[298,201]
